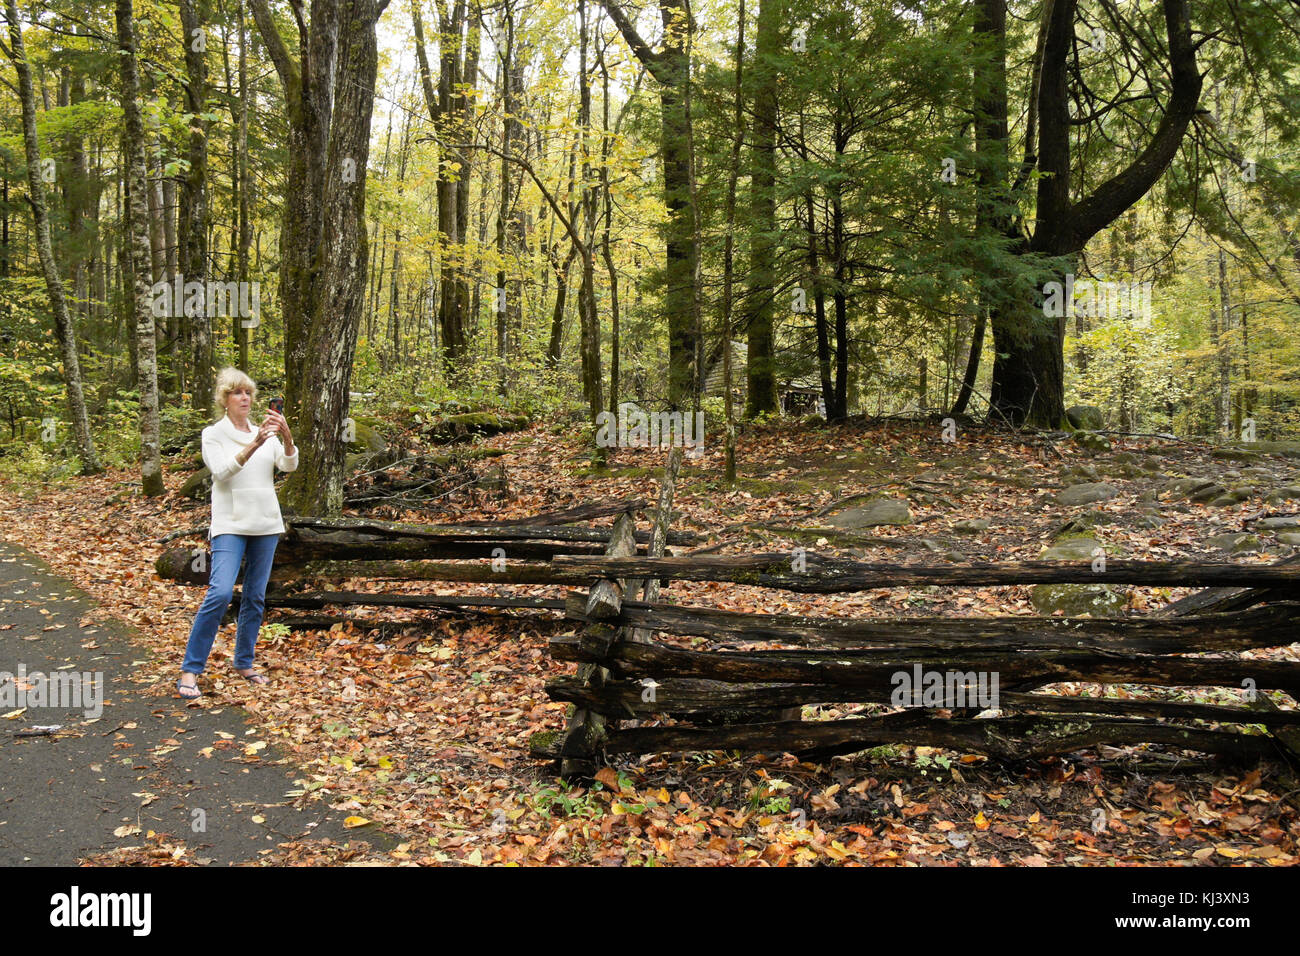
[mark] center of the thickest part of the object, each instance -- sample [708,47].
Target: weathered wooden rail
[685,697]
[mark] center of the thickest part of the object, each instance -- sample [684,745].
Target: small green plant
[565,800]
[274,632]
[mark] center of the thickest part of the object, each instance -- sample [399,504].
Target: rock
[1149,520]
[1086,472]
[462,427]
[1085,521]
[366,439]
[1234,454]
[1233,497]
[198,485]
[971,526]
[1086,493]
[1195,489]
[1092,441]
[1281,521]
[1289,537]
[881,512]
[1287,449]
[1238,542]
[1208,493]
[1285,493]
[1088,417]
[1073,549]
[1075,600]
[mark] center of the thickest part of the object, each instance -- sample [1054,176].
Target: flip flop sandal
[182,688]
[255,678]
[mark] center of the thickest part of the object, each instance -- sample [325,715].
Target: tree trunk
[195,24]
[761,391]
[1028,383]
[64,326]
[324,253]
[138,219]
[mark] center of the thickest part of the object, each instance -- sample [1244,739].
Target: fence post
[586,729]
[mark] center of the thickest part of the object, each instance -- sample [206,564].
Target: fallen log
[1019,671]
[820,575]
[322,598]
[1007,738]
[590,512]
[1266,626]
[686,698]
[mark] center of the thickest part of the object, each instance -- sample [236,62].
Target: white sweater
[243,496]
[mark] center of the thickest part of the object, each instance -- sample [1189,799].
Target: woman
[246,524]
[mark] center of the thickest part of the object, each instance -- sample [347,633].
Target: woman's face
[240,401]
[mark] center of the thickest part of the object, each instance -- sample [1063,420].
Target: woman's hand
[263,433]
[277,420]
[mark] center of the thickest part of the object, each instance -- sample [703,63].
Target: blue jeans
[228,550]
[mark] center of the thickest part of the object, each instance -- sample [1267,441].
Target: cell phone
[277,405]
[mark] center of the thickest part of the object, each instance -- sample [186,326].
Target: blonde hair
[228,380]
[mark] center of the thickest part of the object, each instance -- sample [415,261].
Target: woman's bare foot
[188,686]
[253,677]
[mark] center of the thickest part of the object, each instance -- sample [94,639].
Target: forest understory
[428,740]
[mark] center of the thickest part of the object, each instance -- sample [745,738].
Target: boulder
[473,424]
[1287,449]
[1085,521]
[1234,496]
[1087,417]
[1073,549]
[1092,441]
[1086,493]
[198,485]
[1234,542]
[1289,537]
[971,526]
[366,439]
[1285,493]
[884,511]
[1281,521]
[1076,600]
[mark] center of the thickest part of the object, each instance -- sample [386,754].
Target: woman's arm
[287,458]
[222,465]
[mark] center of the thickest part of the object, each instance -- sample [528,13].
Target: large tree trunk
[760,290]
[670,66]
[195,20]
[64,327]
[1028,383]
[138,219]
[325,256]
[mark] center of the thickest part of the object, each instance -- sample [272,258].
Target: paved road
[139,764]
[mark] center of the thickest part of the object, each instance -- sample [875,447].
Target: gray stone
[1087,493]
[971,526]
[1234,542]
[885,511]
[1285,493]
[1148,520]
[1084,416]
[1075,600]
[1233,497]
[1234,454]
[1085,521]
[198,485]
[1287,449]
[1289,537]
[1281,521]
[366,439]
[1072,549]
[1092,441]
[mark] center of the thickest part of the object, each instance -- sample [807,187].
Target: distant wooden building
[797,396]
